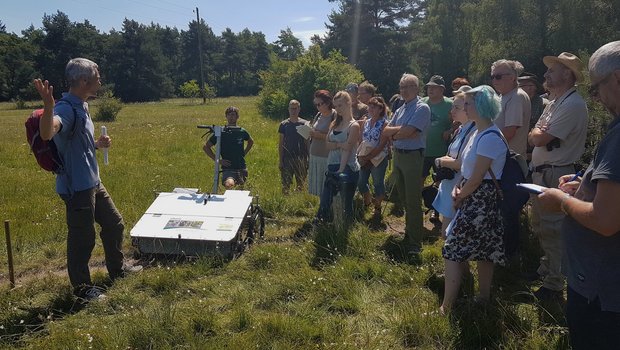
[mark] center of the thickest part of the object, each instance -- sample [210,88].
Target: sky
[304,17]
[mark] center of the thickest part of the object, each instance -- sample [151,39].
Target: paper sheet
[531,188]
[304,130]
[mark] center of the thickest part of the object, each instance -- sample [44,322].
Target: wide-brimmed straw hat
[569,60]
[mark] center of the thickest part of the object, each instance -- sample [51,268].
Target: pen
[576,176]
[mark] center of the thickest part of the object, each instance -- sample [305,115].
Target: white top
[488,145]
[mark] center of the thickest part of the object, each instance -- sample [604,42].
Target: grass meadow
[298,288]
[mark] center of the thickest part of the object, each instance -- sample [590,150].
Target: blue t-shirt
[415,114]
[77,151]
[591,261]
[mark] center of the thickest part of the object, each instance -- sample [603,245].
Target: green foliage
[299,80]
[108,108]
[288,47]
[190,89]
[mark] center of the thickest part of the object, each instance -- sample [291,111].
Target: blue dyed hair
[487,102]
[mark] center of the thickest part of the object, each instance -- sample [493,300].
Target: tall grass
[299,289]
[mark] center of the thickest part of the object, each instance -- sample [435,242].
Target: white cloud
[305,35]
[303,19]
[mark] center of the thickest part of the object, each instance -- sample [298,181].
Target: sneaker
[91,293]
[127,270]
[434,218]
[546,294]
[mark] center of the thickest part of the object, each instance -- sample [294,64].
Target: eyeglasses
[593,90]
[499,76]
[403,87]
[318,104]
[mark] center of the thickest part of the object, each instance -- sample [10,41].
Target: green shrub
[109,107]
[191,89]
[274,104]
[299,80]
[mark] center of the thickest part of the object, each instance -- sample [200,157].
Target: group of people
[352,138]
[468,137]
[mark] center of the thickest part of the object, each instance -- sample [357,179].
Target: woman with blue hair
[476,233]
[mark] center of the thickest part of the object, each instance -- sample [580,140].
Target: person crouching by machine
[232,157]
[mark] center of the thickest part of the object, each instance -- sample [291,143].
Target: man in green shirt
[439,129]
[232,151]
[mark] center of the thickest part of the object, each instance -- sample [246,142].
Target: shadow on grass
[304,231]
[331,241]
[31,320]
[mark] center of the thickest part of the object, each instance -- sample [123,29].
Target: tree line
[139,62]
[385,38]
[380,38]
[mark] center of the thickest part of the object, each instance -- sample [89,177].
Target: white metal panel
[186,216]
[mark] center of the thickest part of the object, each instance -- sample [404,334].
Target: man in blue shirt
[78,184]
[407,130]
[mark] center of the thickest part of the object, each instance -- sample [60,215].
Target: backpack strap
[490,171]
[70,138]
[74,116]
[458,152]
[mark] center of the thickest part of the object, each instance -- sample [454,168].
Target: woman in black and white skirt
[476,231]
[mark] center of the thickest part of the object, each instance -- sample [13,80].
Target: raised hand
[46,91]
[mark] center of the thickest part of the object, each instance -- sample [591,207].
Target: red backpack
[45,152]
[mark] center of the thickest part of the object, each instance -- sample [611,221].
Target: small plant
[109,106]
[190,89]
[20,104]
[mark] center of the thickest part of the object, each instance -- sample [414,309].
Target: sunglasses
[593,90]
[499,76]
[319,104]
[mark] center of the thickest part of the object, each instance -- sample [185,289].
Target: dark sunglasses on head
[498,76]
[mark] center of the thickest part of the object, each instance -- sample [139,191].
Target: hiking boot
[90,293]
[546,294]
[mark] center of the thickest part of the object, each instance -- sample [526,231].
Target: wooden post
[9,253]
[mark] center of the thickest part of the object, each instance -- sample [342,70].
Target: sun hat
[569,60]
[463,88]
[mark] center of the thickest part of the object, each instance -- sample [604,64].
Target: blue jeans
[378,178]
[347,183]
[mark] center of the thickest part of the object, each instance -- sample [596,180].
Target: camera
[555,143]
[333,181]
[444,173]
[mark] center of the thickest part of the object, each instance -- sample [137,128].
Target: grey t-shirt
[591,261]
[318,147]
[516,111]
